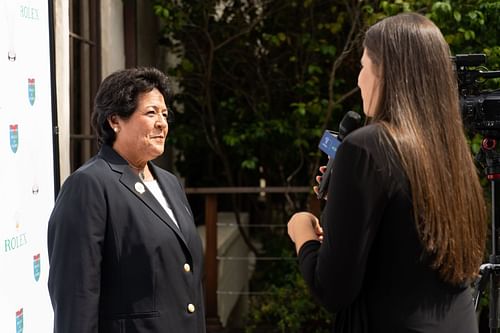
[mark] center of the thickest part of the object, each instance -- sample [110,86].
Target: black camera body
[480,109]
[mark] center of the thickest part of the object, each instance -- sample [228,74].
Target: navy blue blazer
[118,263]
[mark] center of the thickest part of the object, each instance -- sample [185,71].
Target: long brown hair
[418,107]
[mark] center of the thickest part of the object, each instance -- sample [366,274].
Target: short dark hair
[118,94]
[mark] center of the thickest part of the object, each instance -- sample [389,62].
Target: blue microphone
[330,142]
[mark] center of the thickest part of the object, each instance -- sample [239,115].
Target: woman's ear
[113,122]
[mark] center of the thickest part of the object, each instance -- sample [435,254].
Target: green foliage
[259,83]
[254,86]
[288,307]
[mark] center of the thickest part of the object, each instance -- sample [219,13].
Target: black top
[370,268]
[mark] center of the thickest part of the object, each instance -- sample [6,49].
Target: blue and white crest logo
[14,137]
[36,266]
[31,91]
[19,321]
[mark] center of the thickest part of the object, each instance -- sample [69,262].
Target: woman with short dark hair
[124,252]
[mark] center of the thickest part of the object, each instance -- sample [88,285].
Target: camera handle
[490,272]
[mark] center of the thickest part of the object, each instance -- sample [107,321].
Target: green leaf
[300,108]
[441,6]
[328,50]
[187,65]
[314,69]
[249,163]
[469,34]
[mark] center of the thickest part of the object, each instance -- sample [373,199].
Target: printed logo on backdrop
[31,91]
[14,137]
[36,266]
[35,189]
[19,321]
[16,241]
[29,13]
[11,55]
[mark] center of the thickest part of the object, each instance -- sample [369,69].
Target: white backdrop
[27,173]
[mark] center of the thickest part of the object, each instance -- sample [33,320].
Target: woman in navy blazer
[123,248]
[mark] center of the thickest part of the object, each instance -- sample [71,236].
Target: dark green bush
[288,306]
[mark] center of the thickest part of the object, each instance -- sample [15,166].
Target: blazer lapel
[134,184]
[181,212]
[138,188]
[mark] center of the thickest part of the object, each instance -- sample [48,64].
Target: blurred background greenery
[257,83]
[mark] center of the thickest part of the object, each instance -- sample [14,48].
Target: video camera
[480,109]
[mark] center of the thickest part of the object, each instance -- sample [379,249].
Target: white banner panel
[27,172]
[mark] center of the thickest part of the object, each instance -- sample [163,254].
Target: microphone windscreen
[349,123]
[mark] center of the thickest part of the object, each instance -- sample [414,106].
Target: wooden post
[211,266]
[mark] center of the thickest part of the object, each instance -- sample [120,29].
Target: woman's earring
[115,129]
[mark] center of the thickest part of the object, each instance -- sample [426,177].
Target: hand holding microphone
[329,144]
[304,226]
[322,170]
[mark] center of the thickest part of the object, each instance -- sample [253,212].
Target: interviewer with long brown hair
[403,231]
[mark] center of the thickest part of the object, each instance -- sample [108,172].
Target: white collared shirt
[158,194]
